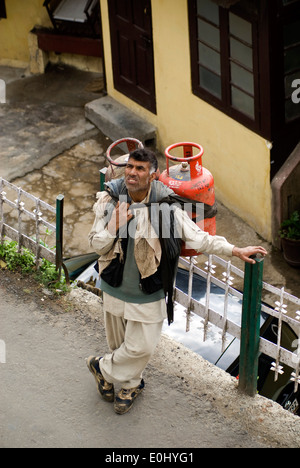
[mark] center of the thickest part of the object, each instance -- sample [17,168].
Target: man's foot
[105,388]
[125,398]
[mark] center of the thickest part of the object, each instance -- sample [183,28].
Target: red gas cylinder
[191,181]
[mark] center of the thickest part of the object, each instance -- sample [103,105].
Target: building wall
[238,158]
[22,16]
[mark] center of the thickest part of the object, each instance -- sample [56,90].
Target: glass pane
[242,102]
[287,2]
[210,82]
[209,34]
[242,78]
[208,10]
[209,58]
[292,110]
[291,33]
[241,53]
[240,28]
[290,83]
[292,59]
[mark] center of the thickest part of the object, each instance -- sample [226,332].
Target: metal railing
[36,215]
[257,298]
[253,305]
[279,304]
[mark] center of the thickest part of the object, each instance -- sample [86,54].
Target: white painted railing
[281,305]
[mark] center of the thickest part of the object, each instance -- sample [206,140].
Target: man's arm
[103,234]
[201,241]
[120,217]
[100,238]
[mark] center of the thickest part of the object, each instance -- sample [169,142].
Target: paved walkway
[49,399]
[42,117]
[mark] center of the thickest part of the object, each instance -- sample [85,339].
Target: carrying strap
[210,211]
[171,246]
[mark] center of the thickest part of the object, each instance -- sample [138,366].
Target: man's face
[137,176]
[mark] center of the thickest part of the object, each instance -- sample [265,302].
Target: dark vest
[165,275]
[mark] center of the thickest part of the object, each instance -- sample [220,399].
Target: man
[134,279]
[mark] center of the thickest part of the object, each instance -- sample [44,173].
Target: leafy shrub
[25,262]
[290,229]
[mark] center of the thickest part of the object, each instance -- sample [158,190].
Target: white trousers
[132,345]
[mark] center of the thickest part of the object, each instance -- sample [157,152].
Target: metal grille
[276,303]
[20,213]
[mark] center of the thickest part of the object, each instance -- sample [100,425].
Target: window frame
[270,92]
[284,135]
[261,122]
[288,13]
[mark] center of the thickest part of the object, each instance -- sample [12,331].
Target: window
[224,60]
[245,61]
[209,48]
[291,44]
[241,65]
[2,9]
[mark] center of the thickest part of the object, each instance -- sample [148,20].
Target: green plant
[15,260]
[49,277]
[290,228]
[24,262]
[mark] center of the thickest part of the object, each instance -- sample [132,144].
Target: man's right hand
[120,217]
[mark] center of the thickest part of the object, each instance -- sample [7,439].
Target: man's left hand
[246,252]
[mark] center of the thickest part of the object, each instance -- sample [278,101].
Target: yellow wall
[22,16]
[238,158]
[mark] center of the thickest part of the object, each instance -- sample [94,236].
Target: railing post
[250,334]
[59,231]
[1,212]
[102,178]
[60,238]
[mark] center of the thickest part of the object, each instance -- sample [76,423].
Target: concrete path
[48,397]
[40,119]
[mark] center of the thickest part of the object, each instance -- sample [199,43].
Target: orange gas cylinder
[191,181]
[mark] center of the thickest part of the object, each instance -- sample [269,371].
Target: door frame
[124,86]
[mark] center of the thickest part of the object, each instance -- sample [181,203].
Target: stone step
[117,121]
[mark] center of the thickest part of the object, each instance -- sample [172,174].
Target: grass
[25,263]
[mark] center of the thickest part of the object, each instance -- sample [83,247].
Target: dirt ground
[49,399]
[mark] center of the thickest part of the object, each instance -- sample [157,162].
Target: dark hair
[145,155]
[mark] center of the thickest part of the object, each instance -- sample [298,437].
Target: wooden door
[132,50]
[2,9]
